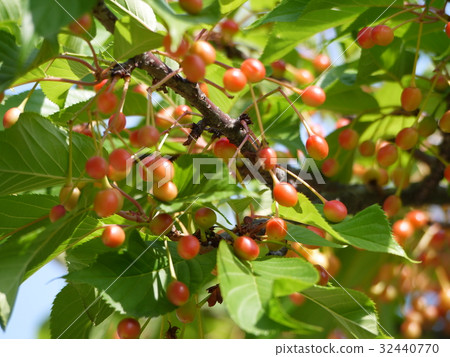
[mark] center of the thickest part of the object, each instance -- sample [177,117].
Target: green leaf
[132,38]
[227,6]
[352,309]
[303,235]
[138,12]
[286,11]
[35,154]
[20,211]
[75,310]
[249,287]
[144,270]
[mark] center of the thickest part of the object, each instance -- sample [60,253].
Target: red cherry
[186,313]
[285,194]
[323,275]
[188,247]
[402,229]
[269,157]
[81,25]
[447,173]
[253,69]
[367,148]
[276,228]
[364,38]
[164,118]
[177,293]
[167,192]
[192,7]
[330,167]
[234,80]
[148,136]
[117,122]
[128,328]
[382,35]
[341,122]
[417,218]
[56,213]
[246,248]
[392,205]
[68,197]
[11,116]
[180,51]
[100,85]
[411,98]
[194,68]
[160,224]
[447,29]
[411,329]
[297,298]
[134,139]
[444,123]
[182,109]
[278,68]
[303,76]
[387,155]
[229,28]
[335,211]
[441,84]
[224,149]
[204,88]
[319,231]
[141,89]
[427,126]
[113,236]
[96,167]
[400,177]
[205,217]
[107,202]
[313,96]
[204,50]
[119,159]
[156,169]
[116,175]
[106,102]
[317,147]
[321,62]
[348,139]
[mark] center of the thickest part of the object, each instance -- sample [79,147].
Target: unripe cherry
[407,138]
[81,25]
[441,84]
[392,205]
[444,123]
[156,169]
[134,141]
[313,96]
[402,230]
[204,50]
[182,109]
[107,202]
[253,69]
[56,213]
[229,28]
[107,102]
[186,313]
[276,229]
[364,38]
[330,167]
[188,247]
[205,217]
[194,68]
[113,236]
[427,126]
[246,248]
[224,149]
[234,80]
[96,167]
[447,173]
[348,139]
[278,68]
[116,175]
[269,157]
[117,122]
[11,116]
[382,35]
[341,122]
[119,159]
[387,155]
[148,136]
[317,147]
[160,224]
[68,197]
[411,98]
[167,192]
[177,293]
[417,218]
[400,177]
[192,7]
[334,211]
[367,148]
[180,51]
[303,76]
[321,62]
[285,194]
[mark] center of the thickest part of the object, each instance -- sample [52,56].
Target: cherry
[119,158]
[323,275]
[192,7]
[334,211]
[164,118]
[141,89]
[116,175]
[117,122]
[182,109]
[194,68]
[427,126]
[364,38]
[148,136]
[411,98]
[204,88]
[107,202]
[81,25]
[297,298]
[156,169]
[444,297]
[417,218]
[407,138]
[167,192]
[278,68]
[330,167]
[269,157]
[447,29]
[224,149]
[56,213]
[11,116]
[447,173]
[303,76]
[180,51]
[382,35]
[188,247]
[374,176]
[321,62]
[387,155]
[438,239]
[229,28]
[276,228]
[106,102]
[400,177]
[204,50]
[313,96]
[96,167]
[392,205]
[134,138]
[367,148]
[100,85]
[341,122]
[402,229]
[317,147]
[320,232]
[348,139]
[160,224]
[113,236]
[68,197]
[246,248]
[128,328]
[253,69]
[444,123]
[285,194]
[441,84]
[317,129]
[234,80]
[205,217]
[411,329]
[186,313]
[177,293]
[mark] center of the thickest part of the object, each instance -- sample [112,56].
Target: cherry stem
[312,189]
[171,268]
[223,65]
[131,199]
[442,277]
[150,116]
[69,171]
[124,93]
[416,57]
[436,154]
[64,80]
[400,12]
[284,84]
[94,55]
[24,102]
[168,55]
[164,80]
[423,106]
[404,23]
[425,240]
[145,325]
[79,60]
[182,226]
[261,99]
[258,115]
[252,135]
[222,89]
[302,119]
[23,227]
[233,159]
